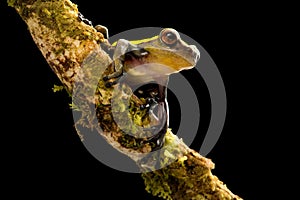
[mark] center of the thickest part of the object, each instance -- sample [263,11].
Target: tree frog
[148,63]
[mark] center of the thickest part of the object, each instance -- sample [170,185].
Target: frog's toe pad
[108,84]
[105,78]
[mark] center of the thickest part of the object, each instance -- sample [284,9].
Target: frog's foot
[110,84]
[158,139]
[112,79]
[107,81]
[158,125]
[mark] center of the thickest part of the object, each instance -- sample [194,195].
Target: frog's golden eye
[169,36]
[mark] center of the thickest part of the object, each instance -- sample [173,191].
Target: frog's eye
[169,36]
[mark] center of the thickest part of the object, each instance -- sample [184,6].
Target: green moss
[182,160]
[18,3]
[57,88]
[179,172]
[56,15]
[129,142]
[11,3]
[157,184]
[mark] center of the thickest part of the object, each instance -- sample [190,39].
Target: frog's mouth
[158,61]
[175,59]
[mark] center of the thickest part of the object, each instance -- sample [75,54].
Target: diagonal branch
[66,43]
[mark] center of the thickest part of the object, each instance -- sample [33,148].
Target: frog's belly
[146,73]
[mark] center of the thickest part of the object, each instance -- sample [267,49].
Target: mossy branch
[66,43]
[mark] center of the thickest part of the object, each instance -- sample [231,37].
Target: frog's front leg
[122,47]
[116,75]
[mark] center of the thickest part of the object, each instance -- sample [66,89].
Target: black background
[42,149]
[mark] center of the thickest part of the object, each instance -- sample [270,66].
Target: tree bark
[72,50]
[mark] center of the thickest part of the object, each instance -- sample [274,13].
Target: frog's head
[153,58]
[170,50]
